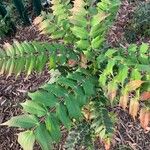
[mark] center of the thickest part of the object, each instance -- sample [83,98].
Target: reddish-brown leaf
[133,108]
[72,62]
[133,85]
[83,60]
[124,101]
[107,144]
[145,96]
[144,118]
[37,20]
[112,94]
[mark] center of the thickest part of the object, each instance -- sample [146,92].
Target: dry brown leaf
[145,96]
[107,144]
[103,16]
[144,118]
[37,20]
[133,108]
[87,113]
[72,62]
[133,85]
[42,26]
[112,94]
[83,60]
[124,101]
[7,46]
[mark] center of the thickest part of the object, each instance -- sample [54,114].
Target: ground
[129,135]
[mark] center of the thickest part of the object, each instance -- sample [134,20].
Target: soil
[129,134]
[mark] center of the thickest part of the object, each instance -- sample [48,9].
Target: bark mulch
[129,135]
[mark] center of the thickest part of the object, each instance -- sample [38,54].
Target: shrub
[7,27]
[92,76]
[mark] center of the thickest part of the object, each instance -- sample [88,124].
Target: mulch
[129,134]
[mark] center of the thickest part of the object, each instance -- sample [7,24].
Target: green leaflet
[52,61]
[26,139]
[132,48]
[52,125]
[20,65]
[102,80]
[77,76]
[66,82]
[40,62]
[10,67]
[80,32]
[33,108]
[145,68]
[51,28]
[96,42]
[110,52]
[43,137]
[78,20]
[135,74]
[43,98]
[123,74]
[30,65]
[81,96]
[83,44]
[97,30]
[144,48]
[109,67]
[62,114]
[89,88]
[58,34]
[107,121]
[73,107]
[22,121]
[55,89]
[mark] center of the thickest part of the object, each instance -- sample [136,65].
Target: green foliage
[7,27]
[80,135]
[29,56]
[22,11]
[84,24]
[125,72]
[37,6]
[53,105]
[102,123]
[81,56]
